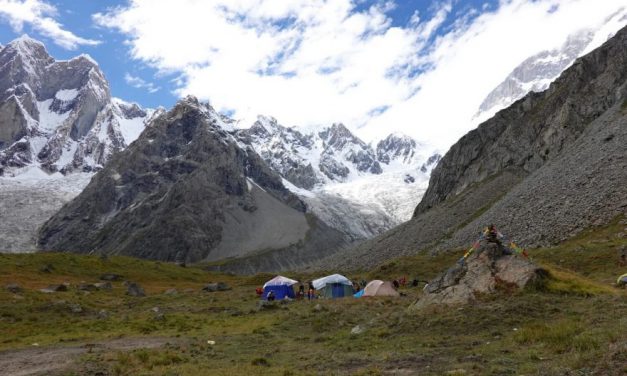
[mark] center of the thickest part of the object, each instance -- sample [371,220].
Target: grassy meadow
[574,324]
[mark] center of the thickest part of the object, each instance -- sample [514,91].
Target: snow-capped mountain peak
[59,115]
[537,72]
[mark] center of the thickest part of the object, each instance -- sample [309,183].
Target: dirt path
[46,360]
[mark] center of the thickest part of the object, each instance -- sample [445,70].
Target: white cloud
[40,15]
[314,61]
[140,83]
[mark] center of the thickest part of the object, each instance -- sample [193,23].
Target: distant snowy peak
[537,72]
[397,147]
[59,115]
[325,155]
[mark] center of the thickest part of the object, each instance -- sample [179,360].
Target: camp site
[188,316]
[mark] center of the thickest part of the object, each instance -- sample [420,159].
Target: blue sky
[115,60]
[377,66]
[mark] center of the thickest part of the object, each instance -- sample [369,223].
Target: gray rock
[13,288]
[357,330]
[75,308]
[55,288]
[171,292]
[134,289]
[487,268]
[217,286]
[111,277]
[87,287]
[266,305]
[103,285]
[103,314]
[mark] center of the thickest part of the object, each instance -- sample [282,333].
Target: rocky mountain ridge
[59,115]
[544,169]
[188,190]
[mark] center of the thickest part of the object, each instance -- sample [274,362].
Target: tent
[282,287]
[622,280]
[333,286]
[359,294]
[380,288]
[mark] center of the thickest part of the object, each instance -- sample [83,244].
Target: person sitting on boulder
[492,234]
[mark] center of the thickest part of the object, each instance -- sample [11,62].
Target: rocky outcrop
[486,270]
[546,168]
[188,190]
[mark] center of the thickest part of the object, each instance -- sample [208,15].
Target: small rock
[158,314]
[171,292]
[111,277]
[87,287]
[357,330]
[219,286]
[75,308]
[264,304]
[317,308]
[103,314]
[48,268]
[54,288]
[14,288]
[133,289]
[103,285]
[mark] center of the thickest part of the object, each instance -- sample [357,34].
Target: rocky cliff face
[58,115]
[189,190]
[544,169]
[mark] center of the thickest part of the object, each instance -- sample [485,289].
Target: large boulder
[489,267]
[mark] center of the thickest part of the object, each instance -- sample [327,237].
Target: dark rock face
[185,188]
[488,268]
[546,168]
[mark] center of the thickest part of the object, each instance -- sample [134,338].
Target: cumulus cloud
[40,15]
[140,83]
[316,62]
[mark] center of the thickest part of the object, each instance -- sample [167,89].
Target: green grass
[574,323]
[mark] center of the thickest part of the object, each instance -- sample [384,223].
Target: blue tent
[359,294]
[281,286]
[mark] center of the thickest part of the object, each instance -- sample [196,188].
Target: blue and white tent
[333,286]
[281,286]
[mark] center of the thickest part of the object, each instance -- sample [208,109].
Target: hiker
[301,291]
[310,291]
[622,258]
[356,288]
[259,291]
[396,284]
[270,297]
